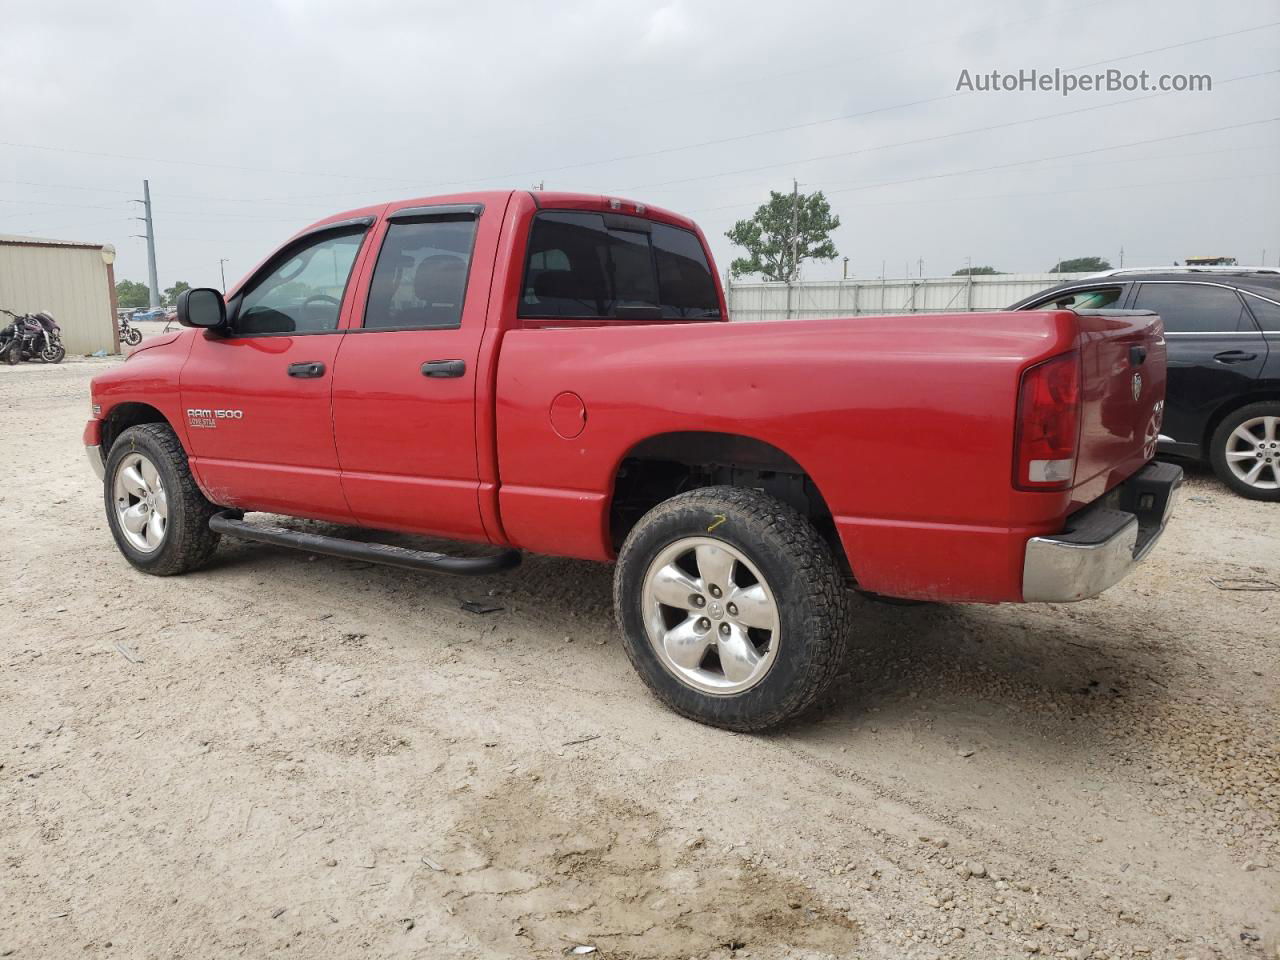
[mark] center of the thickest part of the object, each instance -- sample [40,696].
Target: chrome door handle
[1234,356]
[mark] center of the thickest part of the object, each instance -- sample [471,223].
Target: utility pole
[920,264]
[1122,258]
[222,267]
[795,229]
[793,272]
[150,237]
[846,269]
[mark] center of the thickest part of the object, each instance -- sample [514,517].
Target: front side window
[421,276]
[1194,308]
[303,293]
[614,267]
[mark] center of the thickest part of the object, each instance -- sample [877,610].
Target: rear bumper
[1104,541]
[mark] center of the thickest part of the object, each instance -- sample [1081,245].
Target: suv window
[302,293]
[1194,308]
[615,267]
[1265,312]
[1095,299]
[421,276]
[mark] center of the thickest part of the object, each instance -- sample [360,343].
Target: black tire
[133,337]
[54,354]
[12,354]
[188,543]
[1218,452]
[800,572]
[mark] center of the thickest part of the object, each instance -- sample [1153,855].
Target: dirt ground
[292,756]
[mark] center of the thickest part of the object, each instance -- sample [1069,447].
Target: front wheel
[157,514]
[1245,451]
[54,353]
[732,608]
[132,336]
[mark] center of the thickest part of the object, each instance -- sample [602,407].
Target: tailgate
[1122,355]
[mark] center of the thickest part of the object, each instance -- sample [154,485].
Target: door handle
[1137,355]
[307,369]
[444,368]
[1234,356]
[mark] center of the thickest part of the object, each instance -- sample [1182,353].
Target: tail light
[1048,424]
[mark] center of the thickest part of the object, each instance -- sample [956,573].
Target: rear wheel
[157,514]
[12,354]
[732,607]
[1245,451]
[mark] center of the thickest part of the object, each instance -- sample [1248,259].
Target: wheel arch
[1268,394]
[665,464]
[129,414]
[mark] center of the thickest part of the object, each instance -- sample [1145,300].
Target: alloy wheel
[141,505]
[1253,452]
[710,616]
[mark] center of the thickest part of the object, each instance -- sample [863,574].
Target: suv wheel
[1245,451]
[157,514]
[732,608]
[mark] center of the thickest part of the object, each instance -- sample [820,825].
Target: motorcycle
[31,336]
[129,333]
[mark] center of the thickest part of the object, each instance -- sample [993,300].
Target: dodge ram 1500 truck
[553,372]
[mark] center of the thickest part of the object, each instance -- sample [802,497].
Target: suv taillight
[1048,424]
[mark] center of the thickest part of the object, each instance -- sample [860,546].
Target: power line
[603,161]
[921,140]
[1019,163]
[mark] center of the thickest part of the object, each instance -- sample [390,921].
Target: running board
[230,523]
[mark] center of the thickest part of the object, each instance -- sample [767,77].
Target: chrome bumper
[94,454]
[1104,541]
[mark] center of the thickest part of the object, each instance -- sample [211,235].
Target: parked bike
[31,336]
[128,332]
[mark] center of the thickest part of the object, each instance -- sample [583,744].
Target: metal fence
[848,298]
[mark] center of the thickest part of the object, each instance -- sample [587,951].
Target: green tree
[977,272]
[784,233]
[171,293]
[130,293]
[1081,265]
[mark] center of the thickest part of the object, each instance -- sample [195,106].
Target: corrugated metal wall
[69,282]
[847,298]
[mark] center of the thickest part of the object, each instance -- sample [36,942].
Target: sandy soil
[294,756]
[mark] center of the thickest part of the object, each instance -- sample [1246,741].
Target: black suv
[1222,403]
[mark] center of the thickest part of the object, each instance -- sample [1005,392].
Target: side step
[230,523]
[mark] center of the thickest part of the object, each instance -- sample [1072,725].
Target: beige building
[74,282]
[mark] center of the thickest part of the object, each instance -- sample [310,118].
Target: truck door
[404,389]
[257,400]
[1215,353]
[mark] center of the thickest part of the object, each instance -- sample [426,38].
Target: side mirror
[202,307]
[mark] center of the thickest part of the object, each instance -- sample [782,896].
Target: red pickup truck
[553,372]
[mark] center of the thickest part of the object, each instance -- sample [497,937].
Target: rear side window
[1194,308]
[421,276]
[302,293]
[1082,299]
[613,267]
[1265,312]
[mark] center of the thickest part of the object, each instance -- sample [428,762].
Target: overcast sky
[251,119]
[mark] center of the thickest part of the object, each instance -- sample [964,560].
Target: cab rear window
[608,266]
